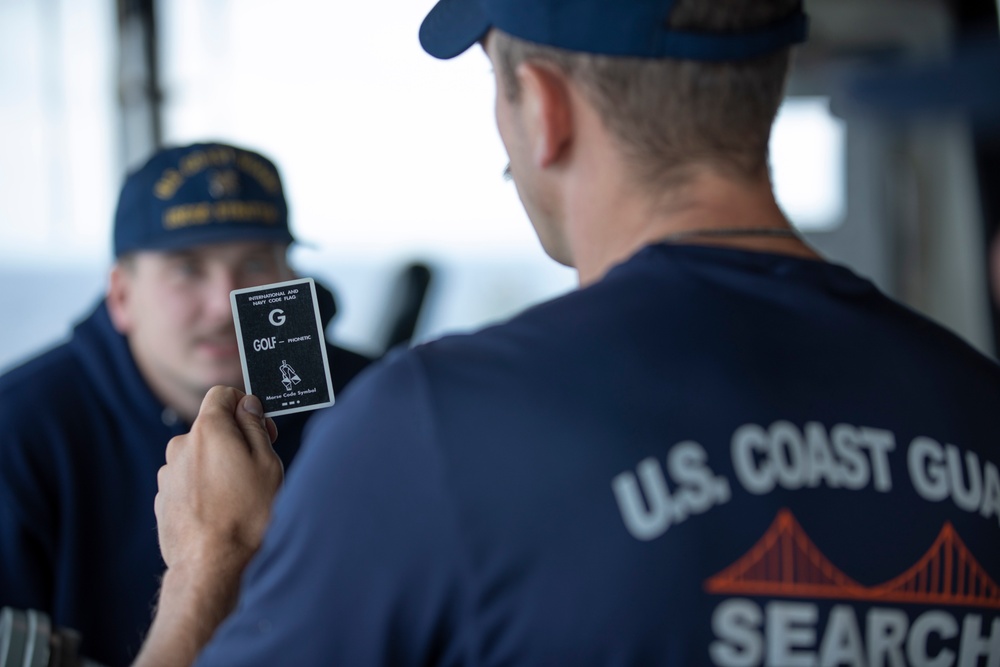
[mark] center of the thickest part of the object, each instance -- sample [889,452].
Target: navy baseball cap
[200,194]
[633,28]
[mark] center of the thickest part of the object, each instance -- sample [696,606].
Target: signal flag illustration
[288,375]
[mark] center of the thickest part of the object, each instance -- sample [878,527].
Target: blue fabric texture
[82,440]
[711,456]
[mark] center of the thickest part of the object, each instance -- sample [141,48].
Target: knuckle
[176,445]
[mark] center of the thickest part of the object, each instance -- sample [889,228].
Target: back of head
[680,83]
[200,194]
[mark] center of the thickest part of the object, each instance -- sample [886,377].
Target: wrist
[207,560]
[196,595]
[207,581]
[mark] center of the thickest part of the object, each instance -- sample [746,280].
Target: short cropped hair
[672,115]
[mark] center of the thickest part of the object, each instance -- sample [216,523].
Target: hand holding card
[282,346]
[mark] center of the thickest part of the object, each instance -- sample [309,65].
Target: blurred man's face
[174,308]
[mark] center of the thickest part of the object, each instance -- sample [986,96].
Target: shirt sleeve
[362,564]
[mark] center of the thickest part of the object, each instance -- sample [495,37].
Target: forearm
[212,509]
[194,600]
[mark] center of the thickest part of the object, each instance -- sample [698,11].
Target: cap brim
[201,236]
[453,26]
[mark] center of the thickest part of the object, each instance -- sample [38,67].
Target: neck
[609,223]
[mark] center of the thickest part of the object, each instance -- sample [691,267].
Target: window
[59,174]
[388,156]
[807,163]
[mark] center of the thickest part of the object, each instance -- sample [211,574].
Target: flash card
[282,346]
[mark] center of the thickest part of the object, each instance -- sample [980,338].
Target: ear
[547,112]
[118,298]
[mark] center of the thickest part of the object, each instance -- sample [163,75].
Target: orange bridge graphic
[785,563]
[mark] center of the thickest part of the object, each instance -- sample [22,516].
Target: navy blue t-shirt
[711,456]
[81,440]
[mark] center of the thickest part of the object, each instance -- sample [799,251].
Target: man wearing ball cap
[699,457]
[85,424]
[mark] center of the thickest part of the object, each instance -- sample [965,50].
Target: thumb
[258,431]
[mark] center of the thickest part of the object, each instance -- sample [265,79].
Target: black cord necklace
[735,231]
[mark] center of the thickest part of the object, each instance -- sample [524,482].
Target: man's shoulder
[551,337]
[344,364]
[42,384]
[44,368]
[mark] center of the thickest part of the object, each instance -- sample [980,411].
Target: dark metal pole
[139,90]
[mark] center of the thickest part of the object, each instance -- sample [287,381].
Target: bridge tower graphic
[785,563]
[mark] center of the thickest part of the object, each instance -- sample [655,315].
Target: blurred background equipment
[406,303]
[27,639]
[957,89]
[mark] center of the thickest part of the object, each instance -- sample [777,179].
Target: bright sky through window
[807,163]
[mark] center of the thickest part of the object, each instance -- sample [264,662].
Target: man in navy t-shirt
[721,449]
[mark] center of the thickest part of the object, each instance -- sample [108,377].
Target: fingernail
[253,406]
